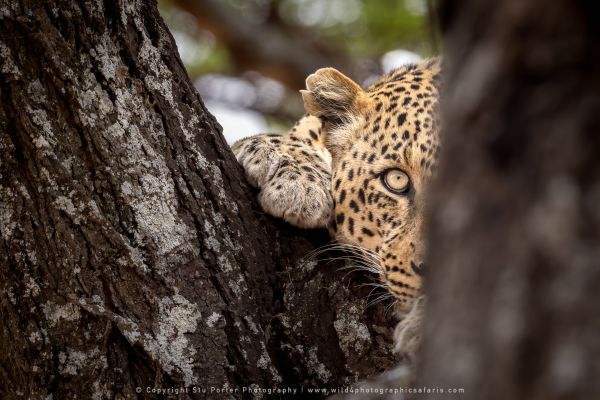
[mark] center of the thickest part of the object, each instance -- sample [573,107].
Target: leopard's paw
[259,158]
[295,185]
[300,201]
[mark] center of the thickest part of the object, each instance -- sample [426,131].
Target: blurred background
[249,58]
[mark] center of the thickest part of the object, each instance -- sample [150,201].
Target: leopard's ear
[340,102]
[332,95]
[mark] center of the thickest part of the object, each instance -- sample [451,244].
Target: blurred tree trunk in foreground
[132,252]
[514,299]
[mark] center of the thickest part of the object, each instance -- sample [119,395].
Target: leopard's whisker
[320,249]
[361,264]
[371,292]
[354,268]
[350,256]
[349,246]
[377,285]
[380,299]
[343,247]
[360,259]
[351,271]
[389,307]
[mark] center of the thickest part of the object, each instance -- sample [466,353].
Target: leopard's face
[384,143]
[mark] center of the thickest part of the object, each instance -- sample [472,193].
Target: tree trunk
[514,305]
[133,254]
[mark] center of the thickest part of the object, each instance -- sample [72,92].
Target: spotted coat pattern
[358,164]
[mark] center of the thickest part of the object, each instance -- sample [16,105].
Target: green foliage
[364,28]
[360,28]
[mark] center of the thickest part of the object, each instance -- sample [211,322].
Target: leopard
[360,163]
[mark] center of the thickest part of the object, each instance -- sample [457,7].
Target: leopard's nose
[418,268]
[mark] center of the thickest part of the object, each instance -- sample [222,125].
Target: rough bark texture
[132,251]
[514,305]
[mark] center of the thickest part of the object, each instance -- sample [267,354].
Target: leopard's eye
[396,181]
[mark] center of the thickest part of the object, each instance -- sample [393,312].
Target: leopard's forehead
[404,105]
[427,72]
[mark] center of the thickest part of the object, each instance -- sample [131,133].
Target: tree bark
[133,253]
[514,305]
